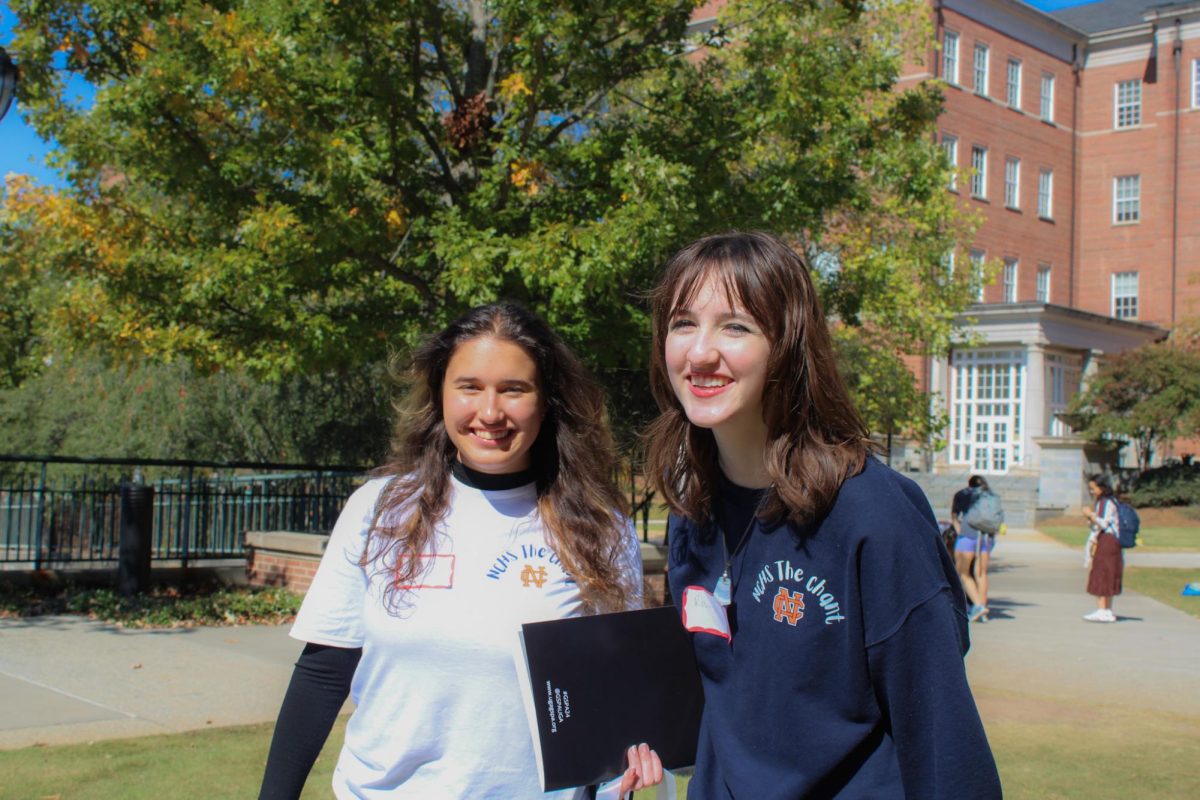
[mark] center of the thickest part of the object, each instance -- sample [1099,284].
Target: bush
[163,607]
[1172,485]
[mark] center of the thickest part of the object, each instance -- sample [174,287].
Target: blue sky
[22,151]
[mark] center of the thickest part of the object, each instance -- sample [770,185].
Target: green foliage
[885,389]
[300,186]
[85,406]
[1171,485]
[1149,395]
[164,607]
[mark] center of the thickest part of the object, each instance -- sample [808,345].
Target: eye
[738,328]
[681,323]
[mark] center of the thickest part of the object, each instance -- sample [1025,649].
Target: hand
[645,769]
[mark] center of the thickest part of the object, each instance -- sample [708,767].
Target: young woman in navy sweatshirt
[828,622]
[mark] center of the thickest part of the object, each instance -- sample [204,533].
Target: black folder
[596,685]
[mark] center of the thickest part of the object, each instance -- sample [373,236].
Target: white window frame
[950,146]
[1046,194]
[1196,83]
[948,264]
[979,68]
[987,409]
[1125,295]
[979,171]
[1047,98]
[950,41]
[977,258]
[1011,274]
[1043,283]
[1127,104]
[1063,381]
[1127,199]
[1014,84]
[1012,183]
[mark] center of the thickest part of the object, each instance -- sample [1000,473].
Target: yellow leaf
[514,85]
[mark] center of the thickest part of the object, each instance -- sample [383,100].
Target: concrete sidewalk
[67,679]
[1037,645]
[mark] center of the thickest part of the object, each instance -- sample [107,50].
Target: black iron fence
[61,513]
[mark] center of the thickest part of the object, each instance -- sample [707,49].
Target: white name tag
[703,614]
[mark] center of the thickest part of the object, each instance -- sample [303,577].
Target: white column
[1034,404]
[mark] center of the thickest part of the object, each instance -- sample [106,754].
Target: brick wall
[282,558]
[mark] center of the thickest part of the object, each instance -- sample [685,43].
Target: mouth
[497,436]
[707,385]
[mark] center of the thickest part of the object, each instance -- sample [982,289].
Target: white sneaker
[1101,615]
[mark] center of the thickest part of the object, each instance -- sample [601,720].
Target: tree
[1149,395]
[293,186]
[86,406]
[885,390]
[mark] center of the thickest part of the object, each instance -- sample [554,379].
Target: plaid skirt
[1104,579]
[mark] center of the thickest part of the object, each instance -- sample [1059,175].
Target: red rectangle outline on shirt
[700,628]
[449,585]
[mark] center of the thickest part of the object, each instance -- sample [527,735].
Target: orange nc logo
[534,577]
[788,606]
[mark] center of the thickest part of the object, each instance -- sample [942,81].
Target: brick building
[1077,138]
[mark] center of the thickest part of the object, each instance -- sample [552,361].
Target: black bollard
[137,536]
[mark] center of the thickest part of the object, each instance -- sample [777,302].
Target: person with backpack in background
[977,517]
[1102,553]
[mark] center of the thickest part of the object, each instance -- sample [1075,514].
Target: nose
[491,412]
[703,352]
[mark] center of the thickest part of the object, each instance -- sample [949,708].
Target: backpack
[1128,524]
[985,513]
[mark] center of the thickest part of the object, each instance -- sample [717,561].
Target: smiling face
[716,358]
[492,405]
[1094,490]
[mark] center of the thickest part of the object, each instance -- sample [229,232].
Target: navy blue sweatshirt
[844,676]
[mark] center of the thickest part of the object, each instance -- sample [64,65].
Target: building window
[986,408]
[950,145]
[1125,295]
[1010,280]
[1043,283]
[1014,83]
[977,258]
[981,69]
[1127,198]
[950,57]
[948,265]
[1047,108]
[1127,106]
[1046,194]
[1012,182]
[1065,373]
[979,172]
[1196,83]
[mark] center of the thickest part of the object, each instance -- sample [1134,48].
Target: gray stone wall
[1018,494]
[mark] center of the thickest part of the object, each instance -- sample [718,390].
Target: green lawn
[1152,539]
[211,764]
[1044,753]
[1164,585]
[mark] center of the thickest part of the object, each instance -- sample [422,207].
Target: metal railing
[202,512]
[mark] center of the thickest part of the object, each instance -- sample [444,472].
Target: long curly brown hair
[816,439]
[572,458]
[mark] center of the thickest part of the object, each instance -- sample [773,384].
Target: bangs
[739,286]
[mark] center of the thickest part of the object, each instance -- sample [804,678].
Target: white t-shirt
[439,711]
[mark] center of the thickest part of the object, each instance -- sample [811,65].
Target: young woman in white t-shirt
[496,508]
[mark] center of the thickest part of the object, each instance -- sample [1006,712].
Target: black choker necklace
[488,482]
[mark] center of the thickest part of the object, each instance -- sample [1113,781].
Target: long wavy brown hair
[816,439]
[572,458]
